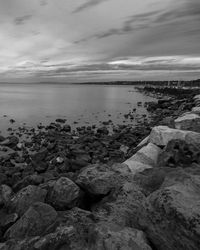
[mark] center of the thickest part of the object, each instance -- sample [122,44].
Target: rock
[11,141]
[100,179]
[178,153]
[35,222]
[196,110]
[21,201]
[188,121]
[2,138]
[7,221]
[121,206]
[33,179]
[19,145]
[64,194]
[6,152]
[145,158]
[59,160]
[61,120]
[111,237]
[3,178]
[171,215]
[66,128]
[39,156]
[151,179]
[161,135]
[5,195]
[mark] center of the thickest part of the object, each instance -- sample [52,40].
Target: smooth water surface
[85,104]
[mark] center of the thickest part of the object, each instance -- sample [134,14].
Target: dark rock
[21,201]
[11,141]
[66,128]
[178,153]
[121,206]
[104,236]
[100,179]
[5,195]
[3,178]
[170,216]
[28,180]
[61,120]
[37,221]
[39,156]
[64,194]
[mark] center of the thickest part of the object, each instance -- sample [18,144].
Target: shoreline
[81,174]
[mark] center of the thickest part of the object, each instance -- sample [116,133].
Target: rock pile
[63,191]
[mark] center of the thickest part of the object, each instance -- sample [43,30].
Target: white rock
[145,158]
[19,145]
[196,110]
[143,142]
[197,97]
[59,160]
[136,166]
[161,135]
[188,121]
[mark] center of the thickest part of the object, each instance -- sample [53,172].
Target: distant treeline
[174,83]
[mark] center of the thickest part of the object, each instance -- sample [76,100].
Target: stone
[170,216]
[39,156]
[146,157]
[5,195]
[33,179]
[188,121]
[161,135]
[196,110]
[3,178]
[104,236]
[37,220]
[11,141]
[6,152]
[121,206]
[100,179]
[178,153]
[64,194]
[27,196]
[66,128]
[60,120]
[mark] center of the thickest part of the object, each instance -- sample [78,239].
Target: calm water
[32,104]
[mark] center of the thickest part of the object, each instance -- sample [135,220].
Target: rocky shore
[134,188]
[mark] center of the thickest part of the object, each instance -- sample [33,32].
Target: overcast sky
[84,40]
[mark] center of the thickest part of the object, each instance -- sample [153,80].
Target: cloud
[88,4]
[22,19]
[187,9]
[43,2]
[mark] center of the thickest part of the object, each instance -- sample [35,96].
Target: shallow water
[85,104]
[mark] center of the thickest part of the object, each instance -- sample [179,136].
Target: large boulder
[104,236]
[37,221]
[196,110]
[145,158]
[27,196]
[100,179]
[188,121]
[178,153]
[121,206]
[64,194]
[171,215]
[161,135]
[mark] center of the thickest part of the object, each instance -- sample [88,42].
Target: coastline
[112,179]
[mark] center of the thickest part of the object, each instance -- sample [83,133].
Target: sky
[99,40]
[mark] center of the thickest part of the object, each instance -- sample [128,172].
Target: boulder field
[60,196]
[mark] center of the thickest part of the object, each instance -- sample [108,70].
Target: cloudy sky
[87,40]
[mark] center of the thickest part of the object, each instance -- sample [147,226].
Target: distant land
[190,83]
